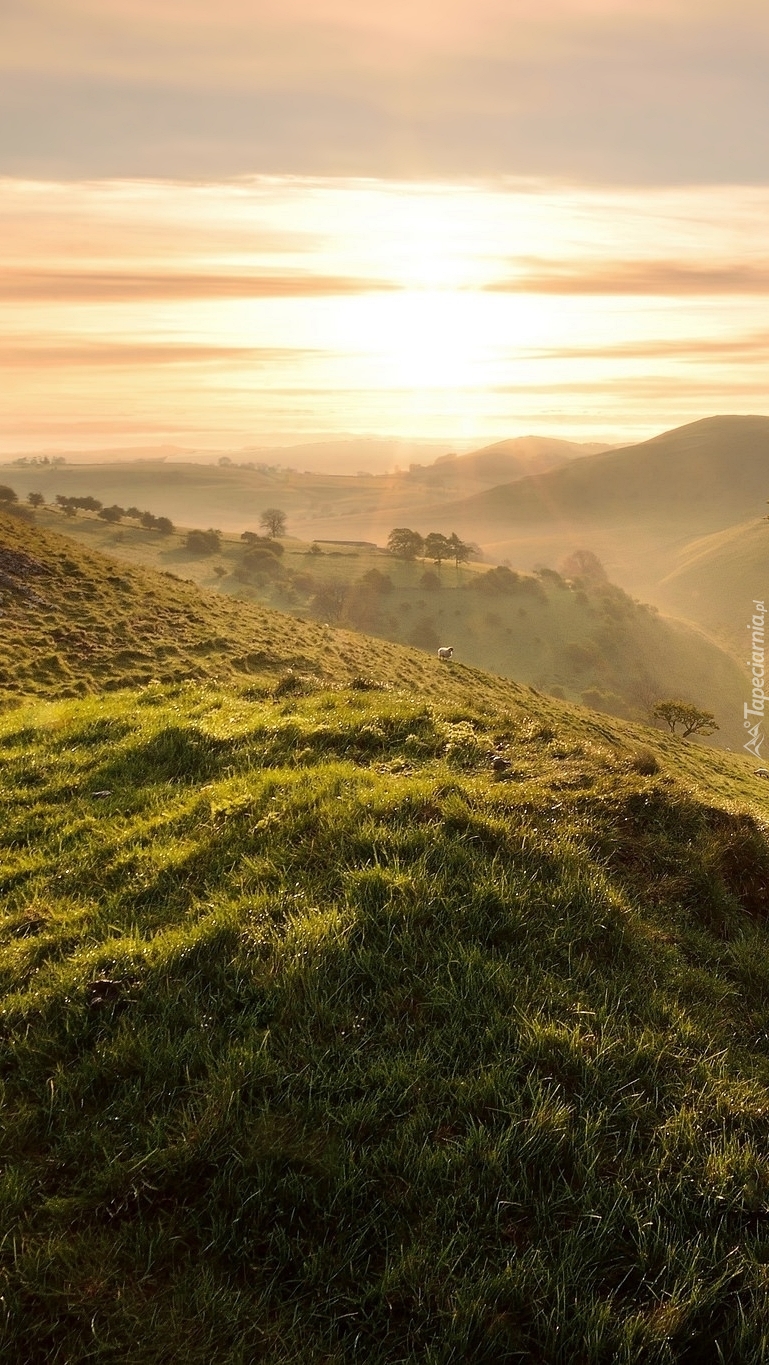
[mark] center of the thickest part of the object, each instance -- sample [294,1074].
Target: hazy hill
[502,462]
[636,507]
[587,642]
[712,471]
[232,494]
[716,578]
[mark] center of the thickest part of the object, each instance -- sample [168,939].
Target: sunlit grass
[322,1042]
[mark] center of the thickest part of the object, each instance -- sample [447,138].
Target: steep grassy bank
[320,1041]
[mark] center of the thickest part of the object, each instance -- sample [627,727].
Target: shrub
[203,542]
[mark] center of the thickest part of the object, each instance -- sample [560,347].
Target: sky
[263,222]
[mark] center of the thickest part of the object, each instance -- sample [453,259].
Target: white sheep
[445,653]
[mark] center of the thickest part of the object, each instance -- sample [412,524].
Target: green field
[357,1007]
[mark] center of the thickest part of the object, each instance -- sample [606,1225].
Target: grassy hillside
[321,1041]
[76,622]
[417,1020]
[588,643]
[716,578]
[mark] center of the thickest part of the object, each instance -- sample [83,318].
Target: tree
[164,526]
[404,543]
[112,514]
[460,552]
[134,513]
[437,547]
[273,521]
[692,720]
[7,495]
[329,601]
[35,499]
[584,564]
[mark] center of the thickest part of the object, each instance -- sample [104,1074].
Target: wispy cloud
[22,356]
[631,91]
[105,286]
[754,346]
[663,278]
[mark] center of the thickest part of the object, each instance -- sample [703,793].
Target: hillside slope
[716,578]
[324,1040]
[502,462]
[636,507]
[76,622]
[409,1019]
[713,471]
[587,642]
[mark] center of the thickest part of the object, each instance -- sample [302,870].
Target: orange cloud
[24,356]
[635,277]
[117,286]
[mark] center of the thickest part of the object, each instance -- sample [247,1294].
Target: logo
[755,708]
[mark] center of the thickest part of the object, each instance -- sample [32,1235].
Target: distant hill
[715,471]
[319,503]
[637,507]
[716,579]
[504,461]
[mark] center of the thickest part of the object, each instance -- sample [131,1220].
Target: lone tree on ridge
[692,720]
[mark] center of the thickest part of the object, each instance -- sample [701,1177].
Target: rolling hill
[636,507]
[232,493]
[714,470]
[501,462]
[401,1018]
[587,642]
[716,578]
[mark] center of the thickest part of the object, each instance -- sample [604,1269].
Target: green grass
[323,1040]
[319,1043]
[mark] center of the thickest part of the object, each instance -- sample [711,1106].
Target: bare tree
[273,520]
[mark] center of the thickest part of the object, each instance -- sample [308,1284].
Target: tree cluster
[113,514]
[404,543]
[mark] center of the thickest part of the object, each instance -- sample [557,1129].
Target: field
[402,1018]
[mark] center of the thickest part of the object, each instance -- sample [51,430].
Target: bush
[203,542]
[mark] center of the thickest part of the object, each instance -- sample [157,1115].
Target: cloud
[614,90]
[104,286]
[668,278]
[129,354]
[752,347]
